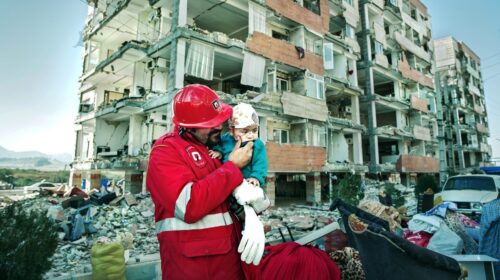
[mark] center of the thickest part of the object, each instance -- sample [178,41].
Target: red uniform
[198,237]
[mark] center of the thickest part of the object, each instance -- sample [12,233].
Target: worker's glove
[260,205]
[253,241]
[247,193]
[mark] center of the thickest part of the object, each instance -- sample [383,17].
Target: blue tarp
[491,170]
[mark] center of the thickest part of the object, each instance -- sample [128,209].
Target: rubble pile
[130,220]
[372,189]
[299,220]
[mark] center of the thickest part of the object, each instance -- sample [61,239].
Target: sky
[40,66]
[39,71]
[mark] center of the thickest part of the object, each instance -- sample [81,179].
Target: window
[277,81]
[319,136]
[328,60]
[394,2]
[312,5]
[349,31]
[379,49]
[282,85]
[280,136]
[315,85]
[279,35]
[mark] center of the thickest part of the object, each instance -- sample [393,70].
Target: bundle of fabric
[400,258]
[388,213]
[455,222]
[452,220]
[420,238]
[349,263]
[291,260]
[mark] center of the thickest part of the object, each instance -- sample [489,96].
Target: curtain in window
[256,18]
[253,70]
[200,61]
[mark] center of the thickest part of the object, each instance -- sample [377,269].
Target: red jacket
[197,235]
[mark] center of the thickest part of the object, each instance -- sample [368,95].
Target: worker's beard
[209,138]
[213,138]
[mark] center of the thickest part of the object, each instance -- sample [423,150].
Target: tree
[7,176]
[27,241]
[349,189]
[42,162]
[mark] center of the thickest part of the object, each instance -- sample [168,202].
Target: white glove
[247,193]
[253,241]
[261,204]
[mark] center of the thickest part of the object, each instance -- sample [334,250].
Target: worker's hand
[253,182]
[215,154]
[253,240]
[247,193]
[241,156]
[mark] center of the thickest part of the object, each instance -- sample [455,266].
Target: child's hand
[215,154]
[254,182]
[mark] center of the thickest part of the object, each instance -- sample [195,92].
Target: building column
[139,79]
[369,89]
[357,147]
[271,187]
[134,136]
[313,188]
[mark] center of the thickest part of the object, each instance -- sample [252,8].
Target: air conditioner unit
[157,64]
[349,141]
[348,109]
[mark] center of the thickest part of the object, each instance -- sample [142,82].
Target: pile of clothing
[444,230]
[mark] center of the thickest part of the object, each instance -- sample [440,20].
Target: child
[244,124]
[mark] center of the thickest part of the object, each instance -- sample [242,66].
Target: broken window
[312,5]
[379,49]
[349,31]
[328,56]
[319,136]
[280,136]
[278,81]
[279,35]
[315,85]
[256,18]
[200,61]
[253,69]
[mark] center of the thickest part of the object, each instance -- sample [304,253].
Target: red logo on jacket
[196,156]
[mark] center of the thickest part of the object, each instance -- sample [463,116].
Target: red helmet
[197,106]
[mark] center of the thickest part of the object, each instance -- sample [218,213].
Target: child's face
[248,133]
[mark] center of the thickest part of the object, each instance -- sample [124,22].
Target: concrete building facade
[395,72]
[340,86]
[465,120]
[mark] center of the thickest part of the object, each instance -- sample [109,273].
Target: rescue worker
[198,235]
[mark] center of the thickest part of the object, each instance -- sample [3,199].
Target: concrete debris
[297,220]
[126,224]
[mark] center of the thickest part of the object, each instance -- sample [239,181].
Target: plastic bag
[108,261]
[445,241]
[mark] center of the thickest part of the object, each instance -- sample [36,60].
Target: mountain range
[33,159]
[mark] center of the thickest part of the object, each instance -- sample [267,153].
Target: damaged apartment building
[340,86]
[465,121]
[398,106]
